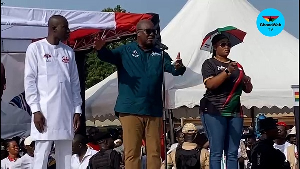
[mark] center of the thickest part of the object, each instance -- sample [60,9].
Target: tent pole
[80,57]
[296,114]
[252,117]
[165,114]
[170,112]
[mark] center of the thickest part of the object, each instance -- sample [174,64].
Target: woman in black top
[220,108]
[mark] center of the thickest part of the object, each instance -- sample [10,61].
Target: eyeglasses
[223,44]
[149,31]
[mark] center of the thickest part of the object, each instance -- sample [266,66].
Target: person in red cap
[281,143]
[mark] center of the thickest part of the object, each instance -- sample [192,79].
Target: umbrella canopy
[235,36]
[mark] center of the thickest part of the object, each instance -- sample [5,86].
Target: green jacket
[139,78]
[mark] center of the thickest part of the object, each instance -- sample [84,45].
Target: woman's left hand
[247,84]
[246,79]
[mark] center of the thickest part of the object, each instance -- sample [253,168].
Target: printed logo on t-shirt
[221,67]
[65,59]
[135,54]
[47,57]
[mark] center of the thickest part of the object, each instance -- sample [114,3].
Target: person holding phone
[220,108]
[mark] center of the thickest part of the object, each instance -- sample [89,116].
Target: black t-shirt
[105,159]
[225,98]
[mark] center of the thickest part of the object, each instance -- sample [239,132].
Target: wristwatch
[227,71]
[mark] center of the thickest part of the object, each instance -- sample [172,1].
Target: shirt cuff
[78,109]
[35,108]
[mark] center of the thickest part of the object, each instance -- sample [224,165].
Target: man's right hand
[99,43]
[39,121]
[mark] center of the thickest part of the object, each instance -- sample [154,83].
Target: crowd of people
[276,146]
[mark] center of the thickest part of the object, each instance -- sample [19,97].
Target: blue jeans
[224,133]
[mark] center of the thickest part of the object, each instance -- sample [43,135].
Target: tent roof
[22,25]
[271,62]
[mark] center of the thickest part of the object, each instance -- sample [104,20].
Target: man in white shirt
[281,143]
[52,91]
[81,153]
[26,161]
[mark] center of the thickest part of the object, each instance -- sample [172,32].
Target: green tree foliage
[98,70]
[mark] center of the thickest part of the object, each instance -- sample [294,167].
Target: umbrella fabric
[235,36]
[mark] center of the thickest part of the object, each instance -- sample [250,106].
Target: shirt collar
[89,152]
[11,159]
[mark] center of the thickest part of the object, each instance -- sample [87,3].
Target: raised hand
[99,43]
[178,63]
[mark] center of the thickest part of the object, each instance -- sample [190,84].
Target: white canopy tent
[271,62]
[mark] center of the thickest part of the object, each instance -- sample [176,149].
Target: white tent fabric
[14,121]
[14,72]
[271,62]
[100,99]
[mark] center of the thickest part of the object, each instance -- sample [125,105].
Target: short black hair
[6,145]
[215,40]
[80,139]
[100,137]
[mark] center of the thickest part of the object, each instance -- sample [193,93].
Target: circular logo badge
[270,22]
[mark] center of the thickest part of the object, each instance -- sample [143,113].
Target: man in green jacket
[139,104]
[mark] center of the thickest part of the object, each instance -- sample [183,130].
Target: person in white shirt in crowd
[291,137]
[26,161]
[292,152]
[81,153]
[12,148]
[281,143]
[52,91]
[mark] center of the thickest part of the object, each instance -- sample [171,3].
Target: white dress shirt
[76,164]
[7,164]
[52,87]
[282,148]
[25,162]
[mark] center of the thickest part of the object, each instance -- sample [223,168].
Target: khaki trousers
[136,128]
